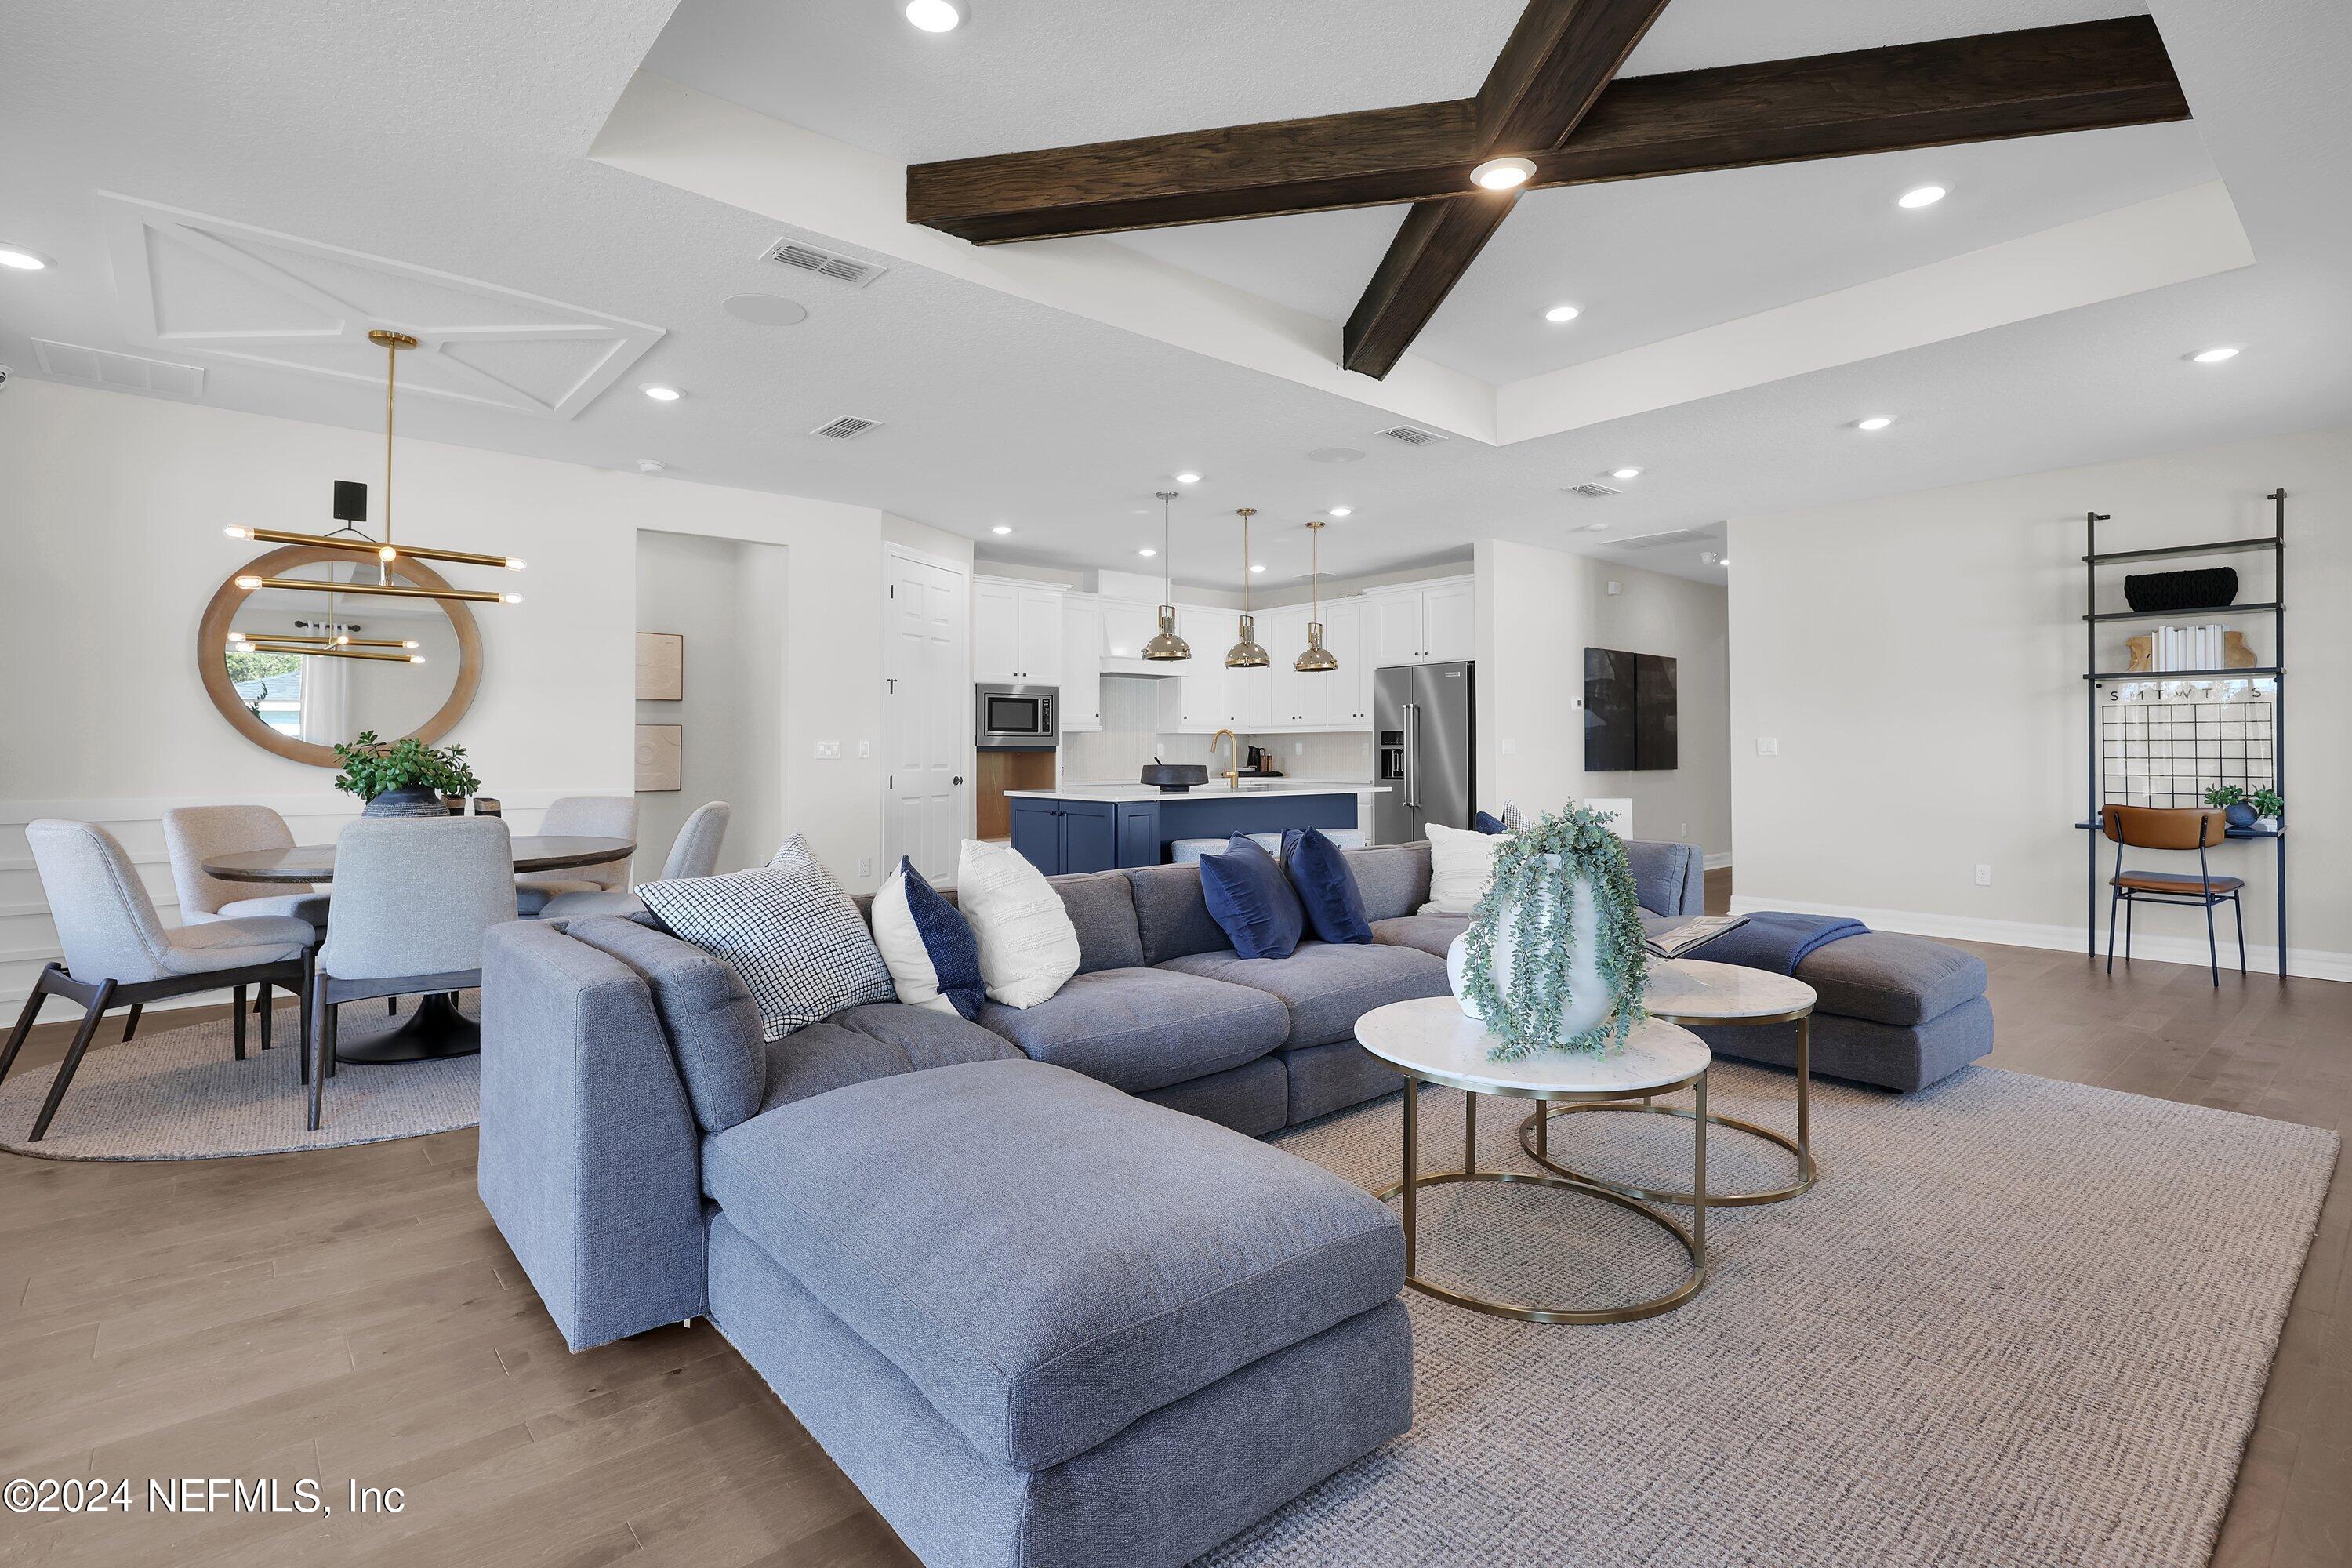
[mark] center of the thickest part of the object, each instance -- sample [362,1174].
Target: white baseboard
[1718,862]
[2260,958]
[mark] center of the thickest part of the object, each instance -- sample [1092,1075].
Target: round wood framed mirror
[298,706]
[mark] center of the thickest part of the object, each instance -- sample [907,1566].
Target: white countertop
[1215,788]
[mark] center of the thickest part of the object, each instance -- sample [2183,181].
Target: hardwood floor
[353,1315]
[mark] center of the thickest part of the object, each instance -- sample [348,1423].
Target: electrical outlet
[1984,876]
[1297,748]
[1682,832]
[1768,746]
[1615,588]
[864,862]
[865,748]
[1510,747]
[828,751]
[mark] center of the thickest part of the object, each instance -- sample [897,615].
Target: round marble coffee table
[1430,1040]
[1693,991]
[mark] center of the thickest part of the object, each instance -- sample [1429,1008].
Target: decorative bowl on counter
[1174,778]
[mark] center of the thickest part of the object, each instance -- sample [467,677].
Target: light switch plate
[828,751]
[865,748]
[1510,748]
[1768,746]
[864,863]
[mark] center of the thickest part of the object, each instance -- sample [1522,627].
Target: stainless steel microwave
[1018,718]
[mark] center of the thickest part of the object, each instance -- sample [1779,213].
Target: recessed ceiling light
[661,394]
[22,259]
[1624,473]
[1875,422]
[1147,550]
[1562,313]
[1256,566]
[936,16]
[1343,512]
[1596,528]
[1001,528]
[2213,356]
[1925,196]
[1502,173]
[651,465]
[1188,479]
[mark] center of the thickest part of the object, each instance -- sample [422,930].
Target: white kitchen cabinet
[1447,629]
[1016,632]
[1426,624]
[1083,619]
[1207,695]
[1397,639]
[1347,690]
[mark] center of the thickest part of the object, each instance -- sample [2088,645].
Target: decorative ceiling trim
[318,324]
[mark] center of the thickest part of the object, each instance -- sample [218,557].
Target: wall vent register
[845,428]
[1413,436]
[830,264]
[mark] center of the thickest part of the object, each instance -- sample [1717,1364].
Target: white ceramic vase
[1591,1002]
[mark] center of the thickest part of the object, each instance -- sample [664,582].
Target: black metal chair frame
[2127,896]
[99,998]
[323,1000]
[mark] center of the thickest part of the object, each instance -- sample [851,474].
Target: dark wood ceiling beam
[2077,77]
[1553,69]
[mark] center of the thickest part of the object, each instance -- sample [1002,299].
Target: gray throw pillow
[788,929]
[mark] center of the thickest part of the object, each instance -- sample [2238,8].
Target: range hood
[1152,668]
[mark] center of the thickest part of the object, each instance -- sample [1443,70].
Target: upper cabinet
[1083,635]
[1347,690]
[1016,632]
[1427,623]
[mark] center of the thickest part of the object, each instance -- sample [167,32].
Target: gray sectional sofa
[1030,1281]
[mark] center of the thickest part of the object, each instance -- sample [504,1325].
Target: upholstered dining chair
[195,833]
[693,852]
[586,816]
[118,953]
[413,897]
[2177,828]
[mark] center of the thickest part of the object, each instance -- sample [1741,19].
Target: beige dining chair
[195,833]
[413,897]
[583,816]
[693,852]
[117,951]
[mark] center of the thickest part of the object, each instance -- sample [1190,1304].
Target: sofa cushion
[1891,979]
[881,1041]
[1102,912]
[1324,987]
[1460,862]
[1394,878]
[1171,913]
[1251,901]
[1326,888]
[1144,1028]
[1900,1056]
[1668,879]
[1048,1259]
[1028,946]
[1431,934]
[706,1013]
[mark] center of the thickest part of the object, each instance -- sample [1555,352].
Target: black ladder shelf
[2095,679]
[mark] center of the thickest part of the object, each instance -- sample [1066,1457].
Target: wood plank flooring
[353,1315]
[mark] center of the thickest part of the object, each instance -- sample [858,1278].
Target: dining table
[435,1028]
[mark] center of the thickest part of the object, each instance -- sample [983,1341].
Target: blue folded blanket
[1776,940]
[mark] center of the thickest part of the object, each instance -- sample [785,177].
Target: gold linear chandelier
[1246,654]
[1318,659]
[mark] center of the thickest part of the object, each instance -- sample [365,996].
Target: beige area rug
[2017,1324]
[181,1094]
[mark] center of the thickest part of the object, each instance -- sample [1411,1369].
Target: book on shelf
[1676,940]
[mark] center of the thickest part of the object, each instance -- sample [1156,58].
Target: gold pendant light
[1318,659]
[1165,644]
[1246,654]
[385,550]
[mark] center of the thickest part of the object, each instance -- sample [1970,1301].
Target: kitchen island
[1097,827]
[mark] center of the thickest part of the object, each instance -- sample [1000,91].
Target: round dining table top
[316,862]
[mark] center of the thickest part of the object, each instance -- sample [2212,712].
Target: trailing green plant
[1529,884]
[2225,795]
[373,767]
[2267,803]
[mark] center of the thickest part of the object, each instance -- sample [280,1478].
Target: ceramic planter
[1591,1002]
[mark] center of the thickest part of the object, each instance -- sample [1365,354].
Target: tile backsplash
[1127,741]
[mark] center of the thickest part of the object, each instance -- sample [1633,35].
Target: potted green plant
[1553,959]
[2232,799]
[404,778]
[2267,807]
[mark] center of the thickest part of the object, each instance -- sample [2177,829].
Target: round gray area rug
[181,1094]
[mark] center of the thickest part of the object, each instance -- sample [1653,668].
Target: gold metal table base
[1535,1131]
[1693,1239]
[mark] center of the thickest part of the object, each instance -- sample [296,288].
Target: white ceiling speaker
[936,16]
[766,310]
[1503,173]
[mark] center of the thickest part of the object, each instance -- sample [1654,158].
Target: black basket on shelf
[2162,592]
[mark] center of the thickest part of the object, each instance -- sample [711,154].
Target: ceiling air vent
[137,373]
[1412,435]
[844,427]
[1594,492]
[830,264]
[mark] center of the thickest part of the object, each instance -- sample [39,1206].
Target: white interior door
[927,711]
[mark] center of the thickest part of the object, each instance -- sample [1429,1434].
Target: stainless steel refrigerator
[1425,727]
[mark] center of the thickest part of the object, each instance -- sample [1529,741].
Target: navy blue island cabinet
[1066,834]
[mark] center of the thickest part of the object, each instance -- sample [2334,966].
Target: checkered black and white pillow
[788,929]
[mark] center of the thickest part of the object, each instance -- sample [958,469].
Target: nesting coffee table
[1430,1040]
[1693,991]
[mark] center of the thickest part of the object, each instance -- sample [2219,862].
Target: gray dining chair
[693,852]
[193,834]
[118,953]
[413,897]
[585,817]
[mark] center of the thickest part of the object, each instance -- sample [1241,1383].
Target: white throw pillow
[1460,861]
[1027,945]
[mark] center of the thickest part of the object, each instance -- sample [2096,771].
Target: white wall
[1918,659]
[112,508]
[1537,611]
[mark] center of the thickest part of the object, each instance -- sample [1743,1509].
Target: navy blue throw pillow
[1318,870]
[1486,822]
[933,957]
[1251,901]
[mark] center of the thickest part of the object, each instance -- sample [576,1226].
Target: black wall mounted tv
[1629,712]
